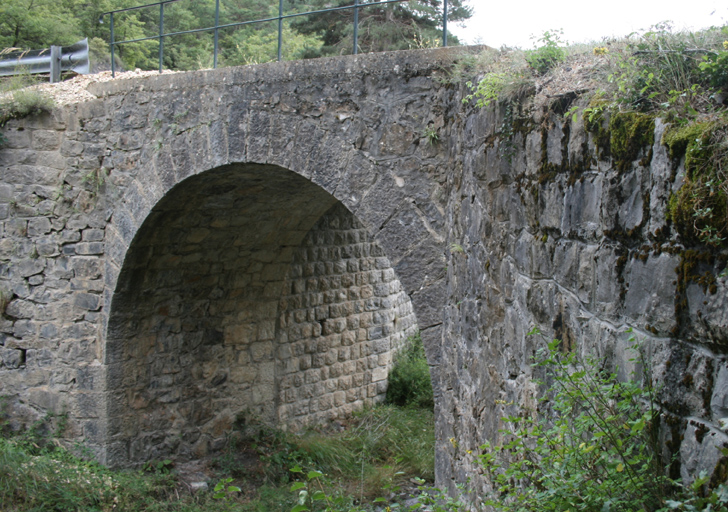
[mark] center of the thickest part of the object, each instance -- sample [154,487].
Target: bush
[409,380]
[598,451]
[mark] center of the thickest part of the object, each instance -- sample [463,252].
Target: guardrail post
[55,64]
[356,27]
[217,23]
[444,22]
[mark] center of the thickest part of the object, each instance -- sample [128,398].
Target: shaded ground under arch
[247,290]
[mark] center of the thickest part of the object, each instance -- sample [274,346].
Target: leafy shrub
[487,90]
[598,452]
[546,56]
[409,379]
[715,69]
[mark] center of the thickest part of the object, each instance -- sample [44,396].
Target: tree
[36,24]
[394,26]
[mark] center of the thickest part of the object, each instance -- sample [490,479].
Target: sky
[513,22]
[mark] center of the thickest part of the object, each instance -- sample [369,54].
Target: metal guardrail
[356,7]
[53,60]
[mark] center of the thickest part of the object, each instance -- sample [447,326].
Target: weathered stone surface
[260,239]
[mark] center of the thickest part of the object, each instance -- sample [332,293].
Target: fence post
[113,60]
[161,35]
[356,27]
[280,28]
[444,22]
[217,23]
[55,64]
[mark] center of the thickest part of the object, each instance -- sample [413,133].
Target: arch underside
[247,292]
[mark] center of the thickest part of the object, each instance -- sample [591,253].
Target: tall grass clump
[19,99]
[409,379]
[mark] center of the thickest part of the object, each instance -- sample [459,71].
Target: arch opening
[247,290]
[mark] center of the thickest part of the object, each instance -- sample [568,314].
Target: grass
[379,446]
[361,460]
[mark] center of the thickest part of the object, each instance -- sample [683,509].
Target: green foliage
[548,54]
[487,90]
[695,497]
[430,133]
[158,466]
[399,26]
[223,490]
[313,495]
[398,437]
[36,24]
[597,451]
[409,379]
[19,99]
[715,69]
[666,69]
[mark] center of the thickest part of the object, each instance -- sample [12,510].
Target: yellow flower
[601,50]
[725,45]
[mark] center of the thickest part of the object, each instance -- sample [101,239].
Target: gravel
[75,90]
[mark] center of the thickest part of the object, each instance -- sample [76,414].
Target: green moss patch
[623,137]
[629,133]
[699,210]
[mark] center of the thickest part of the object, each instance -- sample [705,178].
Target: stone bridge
[189,249]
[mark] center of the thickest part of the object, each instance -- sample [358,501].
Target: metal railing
[356,7]
[53,60]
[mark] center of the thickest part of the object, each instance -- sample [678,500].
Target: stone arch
[247,289]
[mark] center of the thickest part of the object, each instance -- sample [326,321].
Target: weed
[158,466]
[548,54]
[456,248]
[19,99]
[487,90]
[430,133]
[96,179]
[223,490]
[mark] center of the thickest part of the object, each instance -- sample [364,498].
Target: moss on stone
[699,210]
[629,133]
[622,137]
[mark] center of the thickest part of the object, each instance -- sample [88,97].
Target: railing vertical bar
[444,22]
[217,30]
[161,35]
[356,27]
[113,60]
[280,28]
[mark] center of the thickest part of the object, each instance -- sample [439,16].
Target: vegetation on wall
[594,445]
[679,77]
[18,99]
